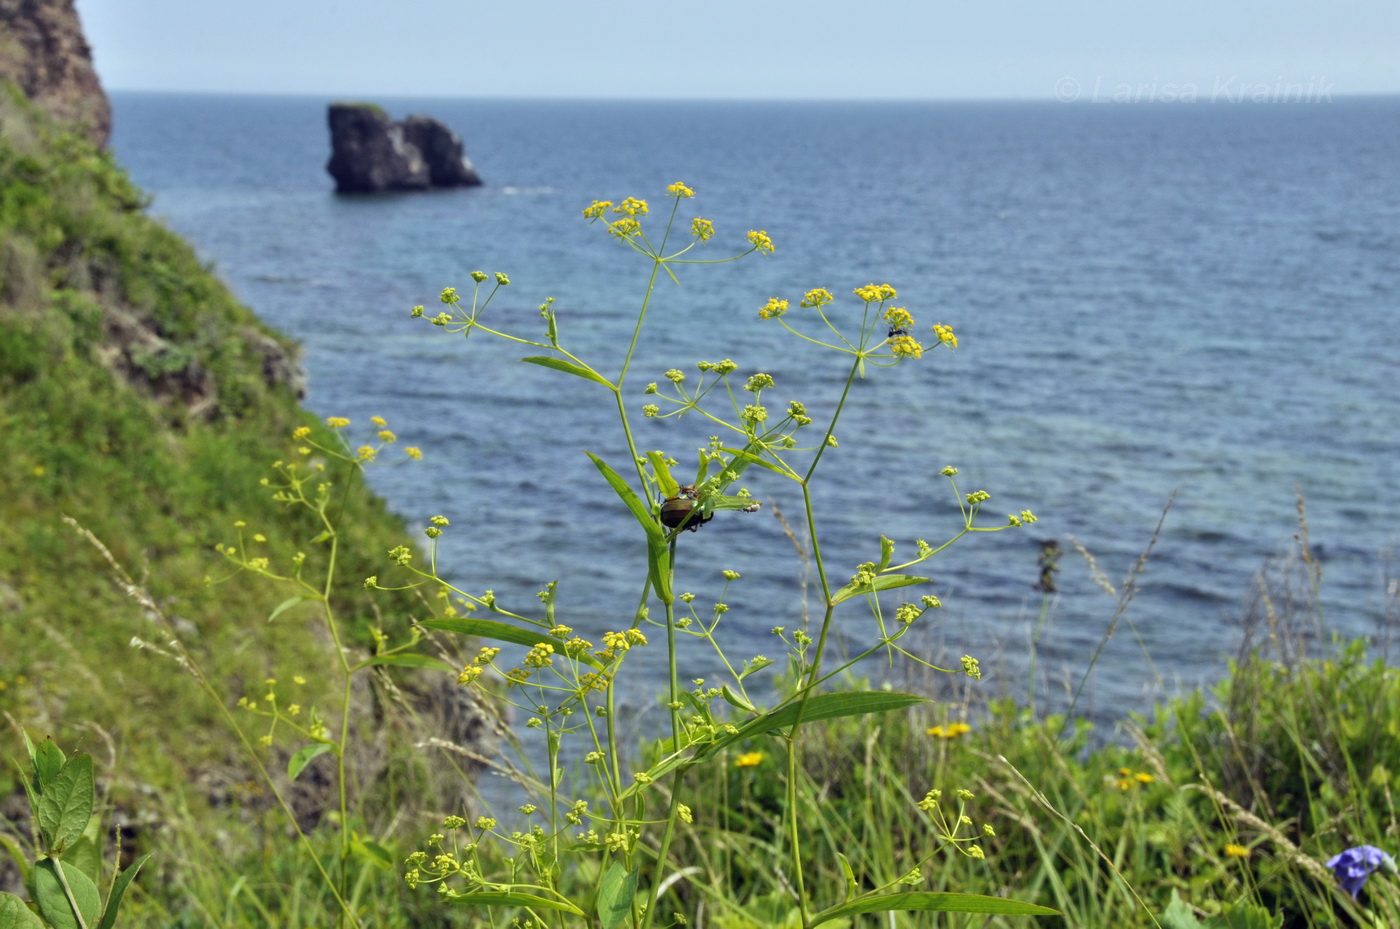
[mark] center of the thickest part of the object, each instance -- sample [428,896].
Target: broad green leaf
[48,760]
[15,915]
[66,804]
[1178,915]
[500,632]
[405,660]
[298,762]
[942,902]
[286,605]
[84,854]
[662,470]
[53,902]
[119,886]
[883,582]
[512,898]
[568,367]
[615,895]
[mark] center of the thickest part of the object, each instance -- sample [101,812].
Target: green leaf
[48,760]
[305,756]
[513,898]
[942,902]
[851,886]
[1178,915]
[668,485]
[615,895]
[742,459]
[286,605]
[736,700]
[822,706]
[85,856]
[883,582]
[15,915]
[66,804]
[500,632]
[658,557]
[53,902]
[377,855]
[754,665]
[886,552]
[406,660]
[568,367]
[114,899]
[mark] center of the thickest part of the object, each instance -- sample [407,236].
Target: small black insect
[897,331]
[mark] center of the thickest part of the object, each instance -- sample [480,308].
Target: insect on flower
[897,331]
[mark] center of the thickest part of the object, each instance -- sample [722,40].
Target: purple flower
[1354,865]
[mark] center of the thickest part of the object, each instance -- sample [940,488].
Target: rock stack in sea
[370,152]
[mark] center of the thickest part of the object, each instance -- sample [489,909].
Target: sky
[1085,50]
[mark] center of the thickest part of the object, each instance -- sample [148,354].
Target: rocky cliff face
[43,51]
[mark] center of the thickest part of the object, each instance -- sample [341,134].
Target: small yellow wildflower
[631,207]
[903,346]
[337,422]
[875,293]
[761,241]
[749,760]
[624,228]
[414,452]
[702,229]
[378,421]
[301,432]
[387,437]
[945,335]
[773,308]
[1237,851]
[679,189]
[817,297]
[949,731]
[596,209]
[366,453]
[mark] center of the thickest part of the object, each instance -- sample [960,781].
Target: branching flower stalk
[563,678]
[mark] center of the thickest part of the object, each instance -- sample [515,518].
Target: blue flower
[1354,865]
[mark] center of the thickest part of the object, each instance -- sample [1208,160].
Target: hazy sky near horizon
[763,49]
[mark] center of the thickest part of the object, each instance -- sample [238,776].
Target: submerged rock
[370,152]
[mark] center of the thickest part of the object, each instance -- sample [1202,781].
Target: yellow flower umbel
[749,760]
[949,731]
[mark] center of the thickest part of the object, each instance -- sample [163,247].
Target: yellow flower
[365,453]
[631,207]
[773,308]
[874,293]
[414,452]
[903,346]
[748,760]
[702,229]
[625,227]
[761,241]
[946,336]
[1237,851]
[337,422]
[680,190]
[598,208]
[950,731]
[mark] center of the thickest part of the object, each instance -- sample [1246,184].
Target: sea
[1175,322]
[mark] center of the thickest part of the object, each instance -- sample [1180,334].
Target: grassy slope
[106,320]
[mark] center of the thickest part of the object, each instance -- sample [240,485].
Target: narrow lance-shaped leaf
[500,632]
[513,898]
[658,558]
[568,367]
[114,899]
[883,582]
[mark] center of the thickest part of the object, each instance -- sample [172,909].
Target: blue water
[1150,299]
